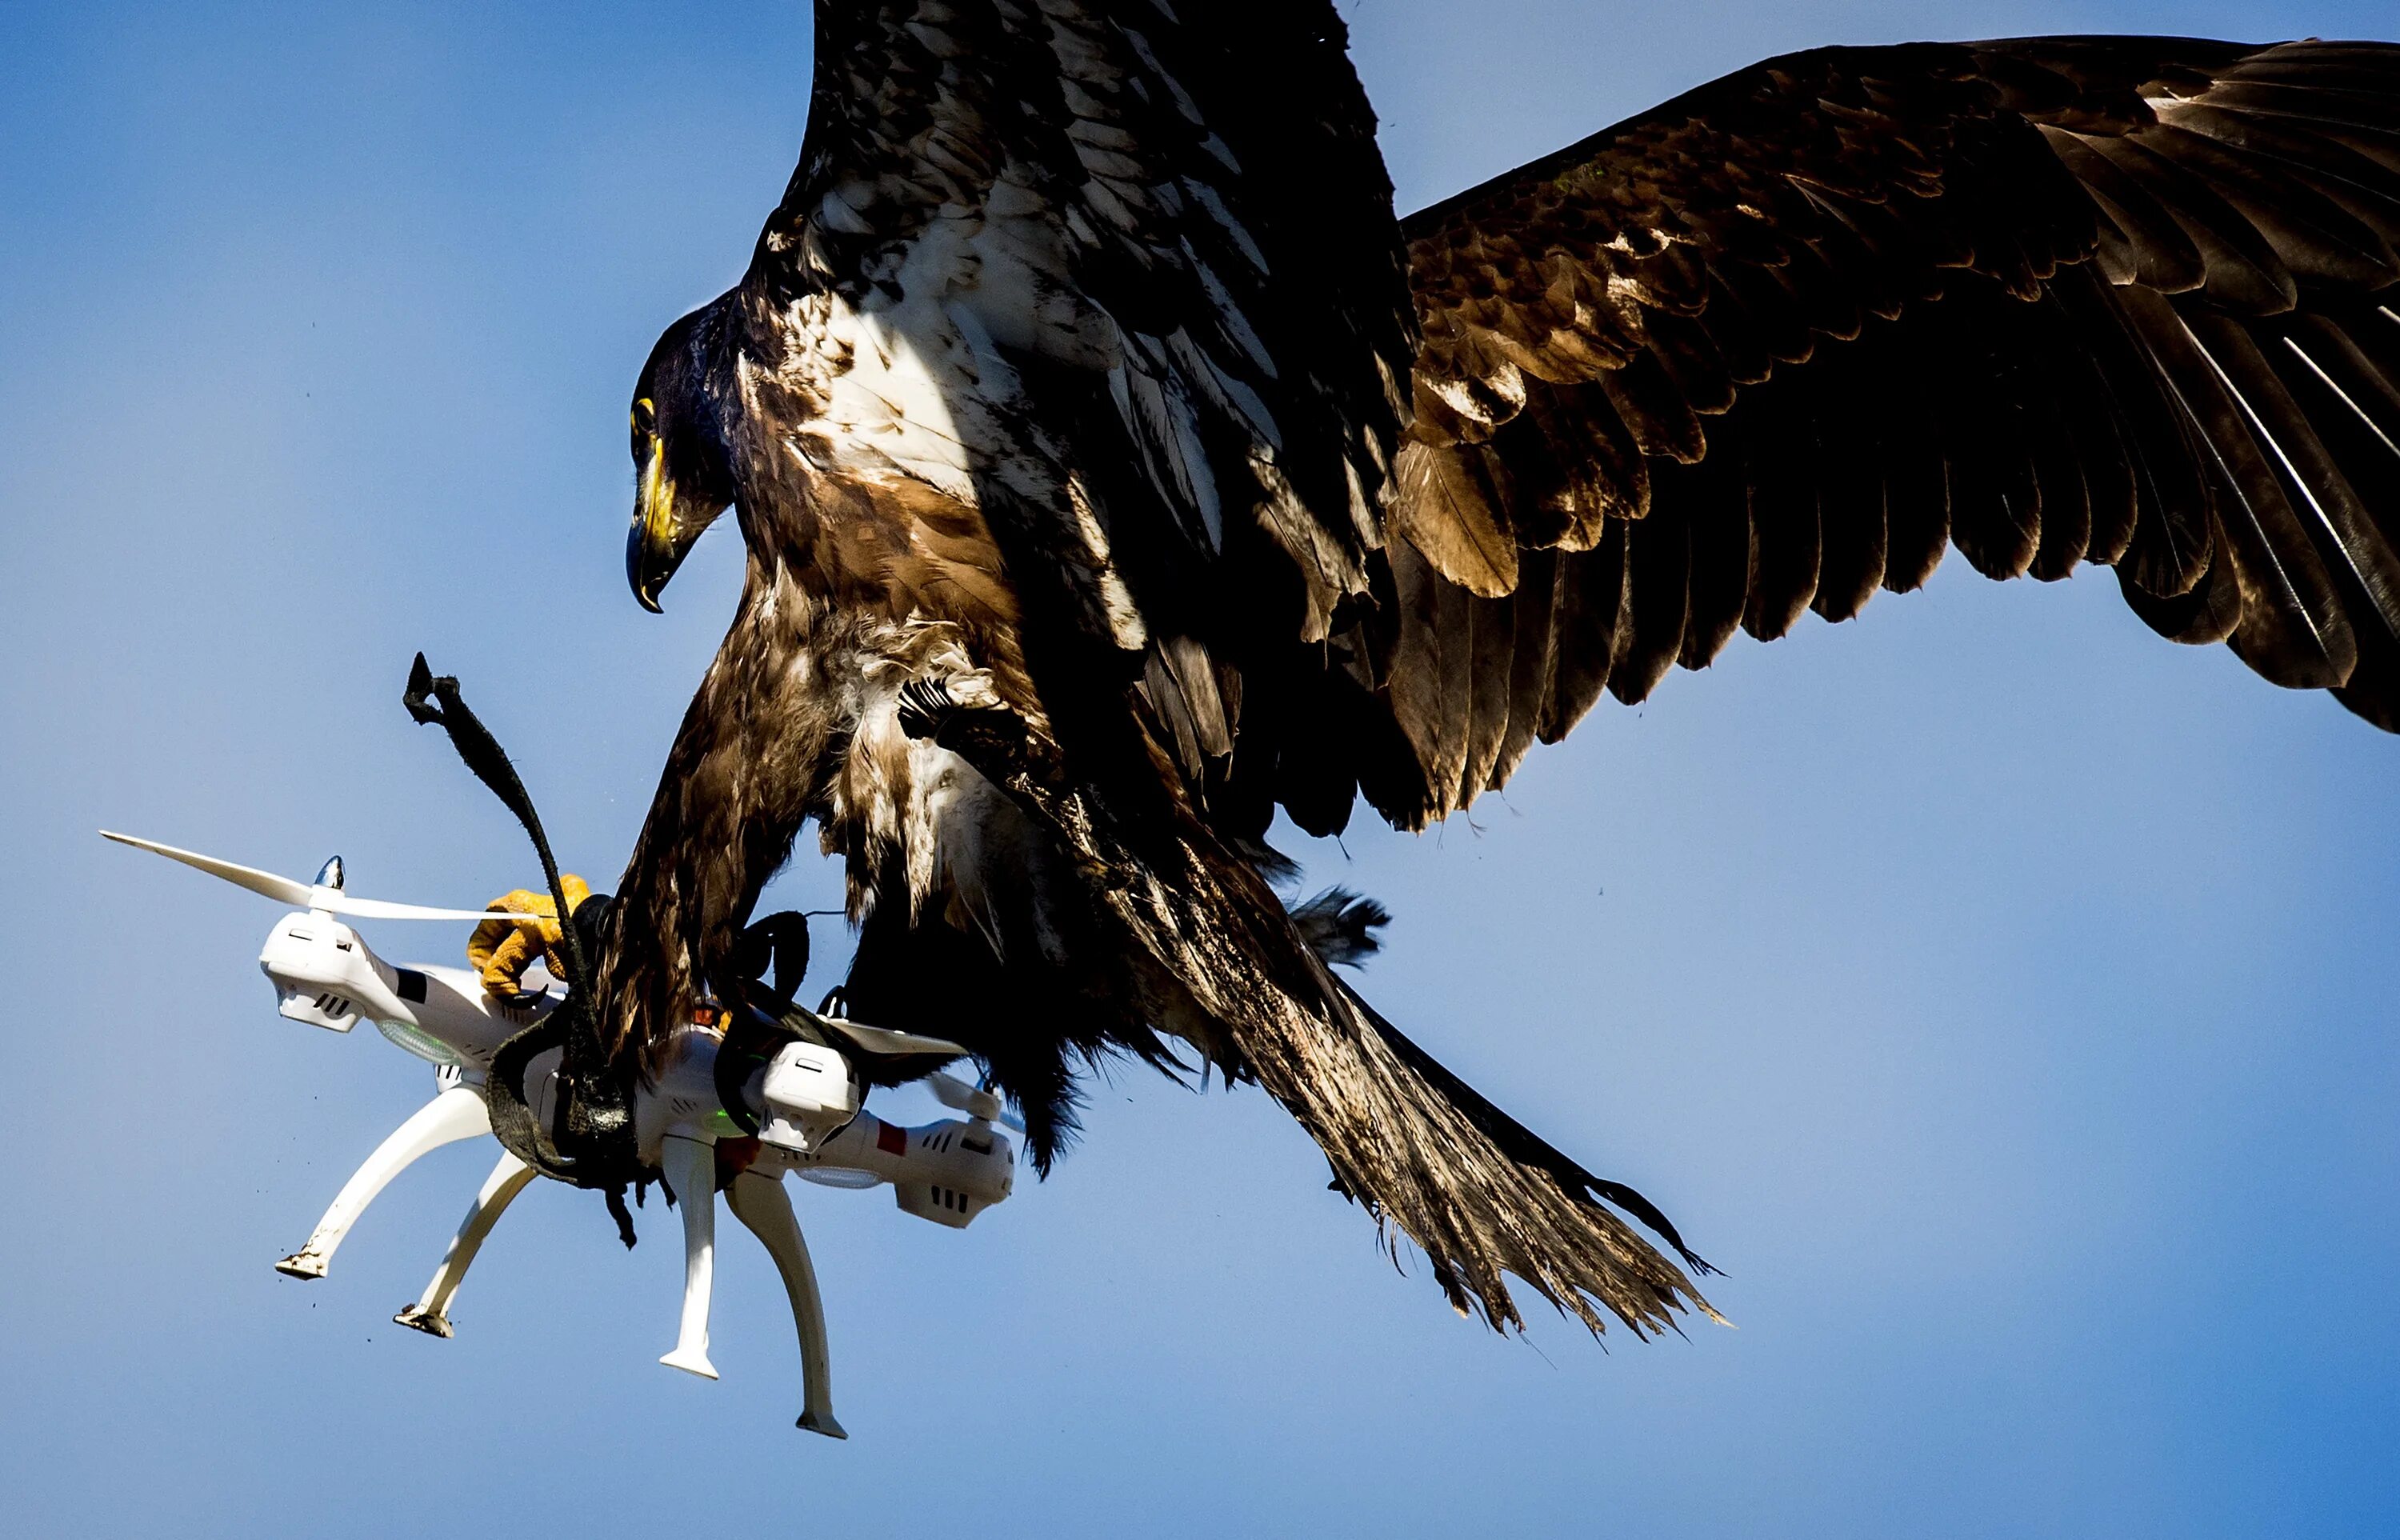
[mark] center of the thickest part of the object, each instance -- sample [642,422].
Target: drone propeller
[325,895]
[975,1101]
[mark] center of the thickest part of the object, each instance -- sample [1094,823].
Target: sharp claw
[925,704]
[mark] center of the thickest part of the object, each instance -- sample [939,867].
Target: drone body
[705,1120]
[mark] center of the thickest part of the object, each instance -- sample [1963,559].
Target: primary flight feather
[1115,469]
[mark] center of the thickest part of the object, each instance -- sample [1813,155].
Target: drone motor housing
[807,1093]
[325,975]
[947,1172]
[956,1170]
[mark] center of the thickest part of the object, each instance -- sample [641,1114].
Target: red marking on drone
[891,1140]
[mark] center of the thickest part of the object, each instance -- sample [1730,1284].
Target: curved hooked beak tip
[653,547]
[647,569]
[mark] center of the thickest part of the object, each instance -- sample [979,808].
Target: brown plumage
[1114,468]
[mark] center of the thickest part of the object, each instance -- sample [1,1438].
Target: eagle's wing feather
[1783,340]
[1176,230]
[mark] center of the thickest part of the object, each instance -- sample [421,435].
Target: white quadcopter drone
[804,1102]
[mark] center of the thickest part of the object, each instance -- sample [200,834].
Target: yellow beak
[654,547]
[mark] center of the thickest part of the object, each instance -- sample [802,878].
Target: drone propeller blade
[376,908]
[283,889]
[892,1044]
[975,1101]
[300,895]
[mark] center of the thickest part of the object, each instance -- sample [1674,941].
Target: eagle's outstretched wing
[1786,338]
[1764,348]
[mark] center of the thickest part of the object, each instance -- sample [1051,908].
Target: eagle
[1115,469]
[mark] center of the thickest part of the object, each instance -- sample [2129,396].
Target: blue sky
[2003,996]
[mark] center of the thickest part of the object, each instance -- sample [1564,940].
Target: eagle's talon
[925,704]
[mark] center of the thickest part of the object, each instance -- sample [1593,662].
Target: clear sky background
[2004,997]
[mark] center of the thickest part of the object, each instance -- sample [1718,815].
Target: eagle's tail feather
[1521,1144]
[1480,1193]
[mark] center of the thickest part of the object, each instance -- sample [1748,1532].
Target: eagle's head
[683,421]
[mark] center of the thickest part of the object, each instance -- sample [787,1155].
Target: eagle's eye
[645,424]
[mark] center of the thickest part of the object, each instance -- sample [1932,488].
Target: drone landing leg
[458,1113]
[691,1167]
[501,1188]
[761,1203]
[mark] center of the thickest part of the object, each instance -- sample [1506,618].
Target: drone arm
[431,1316]
[690,1168]
[458,1113]
[761,1203]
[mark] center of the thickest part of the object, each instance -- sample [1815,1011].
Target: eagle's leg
[432,1313]
[458,1113]
[750,754]
[691,1167]
[761,1203]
